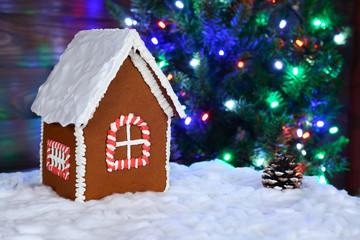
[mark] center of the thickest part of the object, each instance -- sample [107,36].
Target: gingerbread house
[106,110]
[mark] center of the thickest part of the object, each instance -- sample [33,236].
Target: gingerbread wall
[64,135]
[127,93]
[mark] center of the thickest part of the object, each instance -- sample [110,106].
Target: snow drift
[208,200]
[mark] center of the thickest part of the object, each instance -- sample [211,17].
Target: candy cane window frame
[112,144]
[58,159]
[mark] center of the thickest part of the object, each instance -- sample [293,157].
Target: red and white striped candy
[111,143]
[58,159]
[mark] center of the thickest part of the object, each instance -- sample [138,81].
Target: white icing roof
[80,79]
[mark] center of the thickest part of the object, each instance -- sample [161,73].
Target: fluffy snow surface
[208,200]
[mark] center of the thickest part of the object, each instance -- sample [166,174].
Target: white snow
[208,200]
[78,82]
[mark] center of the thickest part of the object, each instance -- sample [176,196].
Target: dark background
[33,35]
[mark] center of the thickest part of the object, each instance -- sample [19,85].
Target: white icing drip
[80,164]
[91,61]
[41,150]
[144,52]
[149,79]
[167,166]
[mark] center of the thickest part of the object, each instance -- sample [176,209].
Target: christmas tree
[255,77]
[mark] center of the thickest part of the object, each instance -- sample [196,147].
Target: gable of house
[127,94]
[84,72]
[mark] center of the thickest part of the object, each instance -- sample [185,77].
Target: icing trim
[167,166]
[80,165]
[41,149]
[58,159]
[149,79]
[147,56]
[129,39]
[111,144]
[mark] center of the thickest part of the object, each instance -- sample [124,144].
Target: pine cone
[282,173]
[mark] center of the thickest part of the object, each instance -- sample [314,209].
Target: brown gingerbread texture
[102,161]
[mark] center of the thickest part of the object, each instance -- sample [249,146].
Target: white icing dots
[80,164]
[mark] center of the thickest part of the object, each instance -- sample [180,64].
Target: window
[58,159]
[111,143]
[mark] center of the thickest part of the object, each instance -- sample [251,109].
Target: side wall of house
[63,135]
[127,93]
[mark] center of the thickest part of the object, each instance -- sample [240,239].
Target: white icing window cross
[112,144]
[128,141]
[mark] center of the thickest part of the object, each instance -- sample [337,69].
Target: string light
[161,64]
[204,117]
[333,130]
[278,65]
[322,180]
[128,21]
[320,123]
[187,120]
[230,104]
[274,104]
[316,22]
[227,156]
[183,107]
[154,40]
[179,4]
[134,22]
[303,152]
[162,24]
[306,135]
[240,64]
[299,132]
[260,161]
[282,24]
[320,156]
[299,43]
[194,62]
[299,146]
[323,168]
[295,71]
[169,76]
[339,39]
[221,53]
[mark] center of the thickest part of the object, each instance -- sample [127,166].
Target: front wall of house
[65,136]
[127,93]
